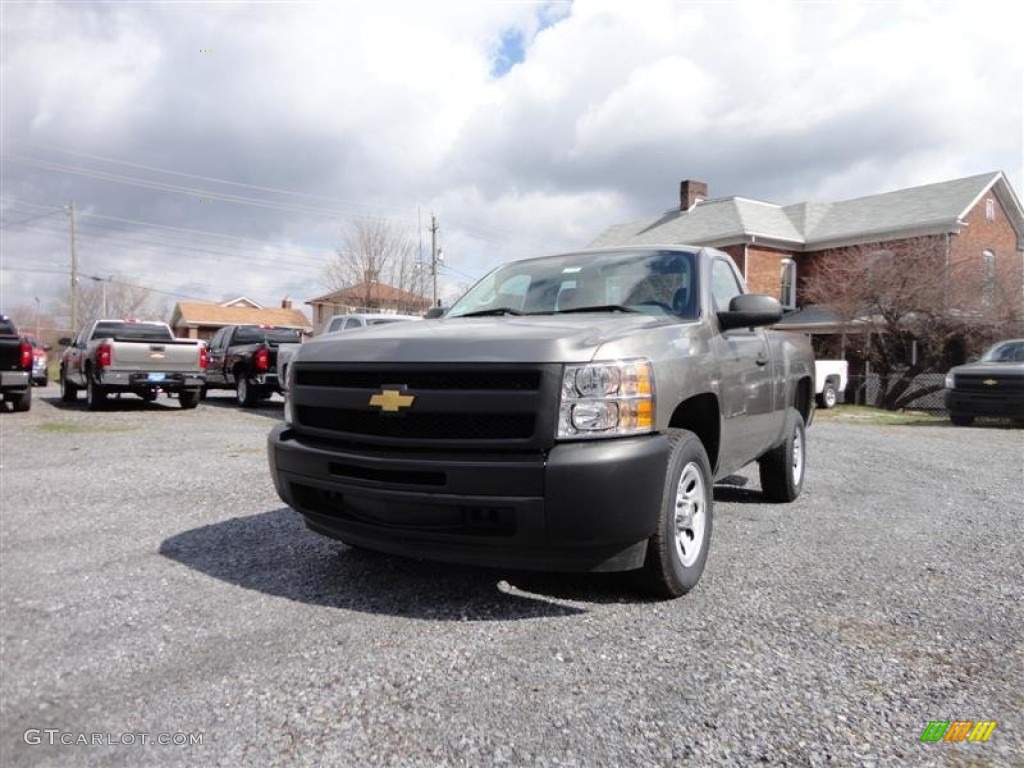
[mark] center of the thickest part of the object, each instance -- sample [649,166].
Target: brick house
[201,320]
[366,297]
[975,221]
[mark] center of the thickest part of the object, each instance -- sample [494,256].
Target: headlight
[950,381]
[606,400]
[289,387]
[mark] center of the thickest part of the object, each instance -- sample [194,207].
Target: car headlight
[289,387]
[606,399]
[950,381]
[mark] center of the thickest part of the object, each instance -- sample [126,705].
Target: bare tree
[918,310]
[114,297]
[375,252]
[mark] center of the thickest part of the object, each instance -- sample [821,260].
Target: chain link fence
[863,390]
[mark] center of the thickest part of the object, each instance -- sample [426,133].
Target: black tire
[829,396]
[188,398]
[68,391]
[678,550]
[245,393]
[23,400]
[95,394]
[202,393]
[961,419]
[782,468]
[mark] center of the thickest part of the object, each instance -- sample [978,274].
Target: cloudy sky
[214,149]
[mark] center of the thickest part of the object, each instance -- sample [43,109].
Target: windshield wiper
[495,311]
[597,308]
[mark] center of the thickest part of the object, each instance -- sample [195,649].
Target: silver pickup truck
[144,358]
[568,413]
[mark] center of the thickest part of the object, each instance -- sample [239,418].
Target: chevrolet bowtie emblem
[990,382]
[391,400]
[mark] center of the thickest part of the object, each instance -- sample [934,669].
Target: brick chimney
[286,303]
[691,192]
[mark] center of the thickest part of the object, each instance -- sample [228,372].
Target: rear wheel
[188,398]
[961,419]
[782,468]
[678,550]
[68,391]
[23,400]
[829,396]
[95,395]
[245,393]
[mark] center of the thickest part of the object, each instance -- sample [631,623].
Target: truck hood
[505,339]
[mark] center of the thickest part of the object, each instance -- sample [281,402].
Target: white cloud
[386,107]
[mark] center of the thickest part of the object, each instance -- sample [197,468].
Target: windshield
[255,334]
[129,331]
[1005,352]
[654,282]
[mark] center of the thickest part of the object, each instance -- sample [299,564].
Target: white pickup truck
[830,378]
[143,358]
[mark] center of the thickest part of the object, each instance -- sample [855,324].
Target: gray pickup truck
[141,357]
[568,413]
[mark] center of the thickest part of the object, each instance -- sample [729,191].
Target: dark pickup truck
[244,358]
[567,413]
[991,387]
[15,366]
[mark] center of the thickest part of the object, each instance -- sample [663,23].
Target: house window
[787,287]
[990,209]
[988,278]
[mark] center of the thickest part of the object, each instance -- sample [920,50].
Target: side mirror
[750,311]
[64,341]
[434,312]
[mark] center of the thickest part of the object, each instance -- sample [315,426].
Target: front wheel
[678,550]
[782,468]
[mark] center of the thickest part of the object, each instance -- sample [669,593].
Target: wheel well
[803,397]
[699,415]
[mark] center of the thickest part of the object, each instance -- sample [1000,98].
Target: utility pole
[433,257]
[74,273]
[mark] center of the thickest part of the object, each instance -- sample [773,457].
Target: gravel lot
[152,582]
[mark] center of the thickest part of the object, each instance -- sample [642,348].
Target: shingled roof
[196,313]
[381,293]
[930,209]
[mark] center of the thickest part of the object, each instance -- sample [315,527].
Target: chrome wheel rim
[690,515]
[830,397]
[798,455]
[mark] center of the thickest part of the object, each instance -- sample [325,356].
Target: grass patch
[862,414]
[71,429]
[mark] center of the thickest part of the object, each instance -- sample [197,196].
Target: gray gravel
[153,582]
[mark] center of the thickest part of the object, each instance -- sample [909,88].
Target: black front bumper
[580,506]
[1002,402]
